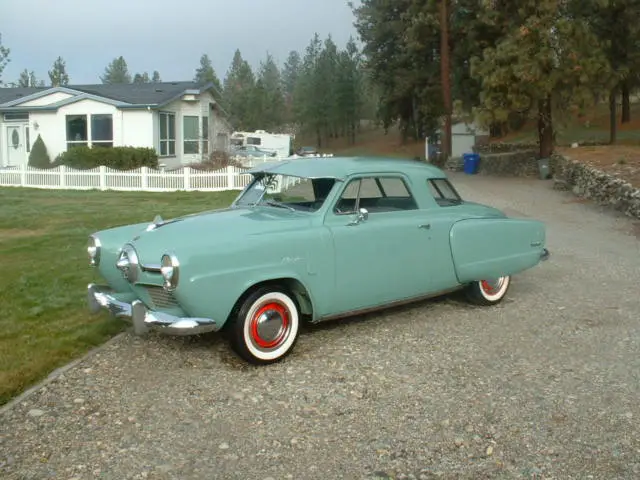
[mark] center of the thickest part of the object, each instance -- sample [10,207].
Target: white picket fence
[143,179]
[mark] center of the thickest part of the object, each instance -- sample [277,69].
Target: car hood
[217,227]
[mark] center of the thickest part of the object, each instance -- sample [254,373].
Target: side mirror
[361,216]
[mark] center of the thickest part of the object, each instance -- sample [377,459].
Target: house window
[27,138]
[102,130]
[77,131]
[167,134]
[16,116]
[205,135]
[89,130]
[254,141]
[190,135]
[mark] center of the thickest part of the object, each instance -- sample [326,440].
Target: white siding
[137,129]
[53,128]
[47,100]
[130,127]
[181,109]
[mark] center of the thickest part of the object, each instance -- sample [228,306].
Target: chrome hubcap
[491,287]
[270,326]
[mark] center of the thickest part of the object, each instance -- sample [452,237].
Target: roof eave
[40,94]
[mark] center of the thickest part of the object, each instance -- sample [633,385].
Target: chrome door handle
[426,226]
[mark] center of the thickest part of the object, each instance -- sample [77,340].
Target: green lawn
[44,322]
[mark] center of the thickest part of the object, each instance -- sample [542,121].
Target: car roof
[343,167]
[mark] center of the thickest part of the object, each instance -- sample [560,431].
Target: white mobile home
[181,120]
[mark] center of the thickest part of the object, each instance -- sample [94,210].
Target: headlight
[170,269]
[93,249]
[128,263]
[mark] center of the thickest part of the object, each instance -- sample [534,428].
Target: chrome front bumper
[143,319]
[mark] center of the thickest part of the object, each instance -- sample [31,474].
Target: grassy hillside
[593,126]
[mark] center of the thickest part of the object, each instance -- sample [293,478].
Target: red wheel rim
[487,287]
[265,314]
[492,287]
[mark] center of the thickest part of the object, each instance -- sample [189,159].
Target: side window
[377,195]
[347,201]
[394,187]
[443,192]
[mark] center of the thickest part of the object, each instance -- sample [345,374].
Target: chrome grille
[160,297]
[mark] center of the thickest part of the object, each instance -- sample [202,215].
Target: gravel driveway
[544,386]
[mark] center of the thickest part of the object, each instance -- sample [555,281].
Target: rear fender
[484,248]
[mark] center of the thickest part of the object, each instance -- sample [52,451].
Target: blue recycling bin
[471,162]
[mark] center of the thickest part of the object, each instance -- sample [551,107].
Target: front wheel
[488,292]
[265,328]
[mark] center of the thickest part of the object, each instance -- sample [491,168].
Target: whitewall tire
[265,327]
[488,292]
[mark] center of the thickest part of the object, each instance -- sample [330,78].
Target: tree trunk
[626,103]
[613,117]
[445,72]
[545,127]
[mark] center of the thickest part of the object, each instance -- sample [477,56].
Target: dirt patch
[623,161]
[13,233]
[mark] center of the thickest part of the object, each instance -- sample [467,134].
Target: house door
[16,149]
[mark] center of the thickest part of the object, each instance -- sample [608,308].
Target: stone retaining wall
[504,147]
[601,187]
[519,163]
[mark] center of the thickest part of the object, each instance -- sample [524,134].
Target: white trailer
[271,142]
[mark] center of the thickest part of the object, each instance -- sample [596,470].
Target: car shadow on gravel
[216,343]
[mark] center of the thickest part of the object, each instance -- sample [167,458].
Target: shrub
[217,159]
[39,157]
[119,158]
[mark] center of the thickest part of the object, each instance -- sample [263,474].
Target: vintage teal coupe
[310,239]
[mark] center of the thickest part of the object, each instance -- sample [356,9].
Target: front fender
[214,294]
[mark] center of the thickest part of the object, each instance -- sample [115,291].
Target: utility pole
[445,73]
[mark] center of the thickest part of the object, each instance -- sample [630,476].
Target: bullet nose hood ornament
[157,221]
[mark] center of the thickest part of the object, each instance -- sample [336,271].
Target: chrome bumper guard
[143,319]
[545,255]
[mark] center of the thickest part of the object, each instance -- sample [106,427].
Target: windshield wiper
[275,203]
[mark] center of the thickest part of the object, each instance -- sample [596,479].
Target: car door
[384,255]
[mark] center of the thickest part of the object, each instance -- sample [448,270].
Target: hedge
[119,158]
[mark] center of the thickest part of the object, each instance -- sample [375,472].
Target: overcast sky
[164,35]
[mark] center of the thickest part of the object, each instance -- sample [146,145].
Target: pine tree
[29,79]
[269,96]
[401,47]
[141,78]
[116,72]
[206,74]
[546,63]
[4,57]
[58,73]
[239,94]
[290,74]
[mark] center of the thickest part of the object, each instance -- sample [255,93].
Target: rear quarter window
[443,192]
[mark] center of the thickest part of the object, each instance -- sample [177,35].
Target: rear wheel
[488,292]
[265,327]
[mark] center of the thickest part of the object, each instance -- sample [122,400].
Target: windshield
[286,192]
